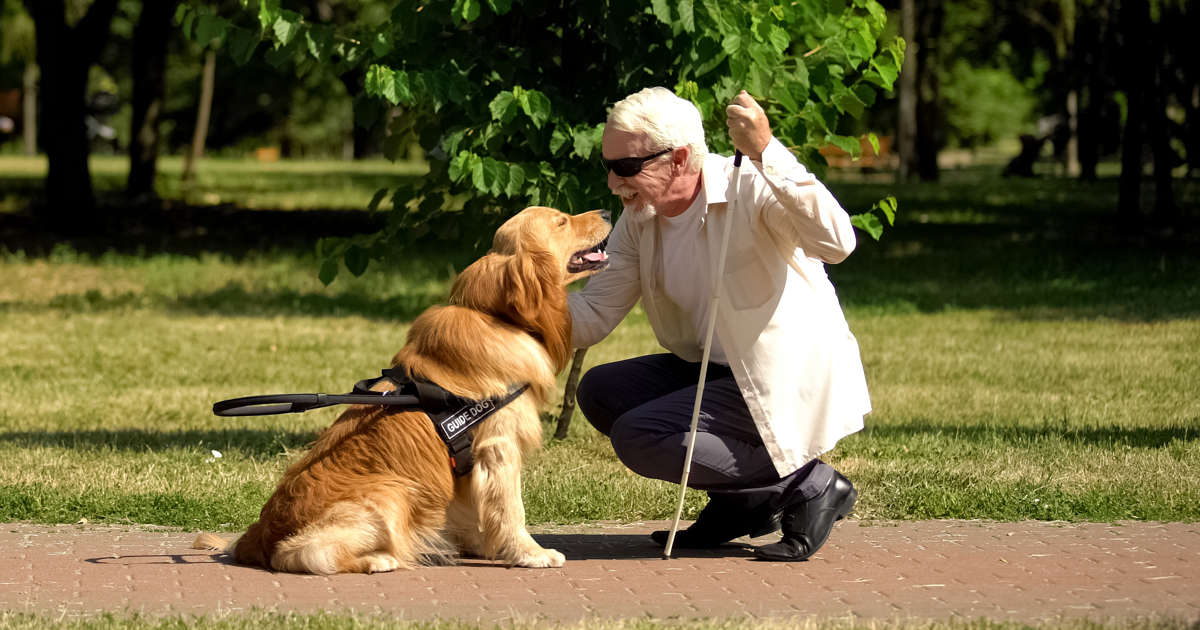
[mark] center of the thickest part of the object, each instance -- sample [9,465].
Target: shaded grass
[1018,369]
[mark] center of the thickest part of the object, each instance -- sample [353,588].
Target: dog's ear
[524,289]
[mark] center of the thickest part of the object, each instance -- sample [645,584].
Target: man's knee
[588,396]
[642,450]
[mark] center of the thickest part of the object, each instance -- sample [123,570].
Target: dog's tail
[211,542]
[245,549]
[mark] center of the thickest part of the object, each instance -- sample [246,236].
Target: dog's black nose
[606,215]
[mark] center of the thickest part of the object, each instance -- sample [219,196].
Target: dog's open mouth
[588,259]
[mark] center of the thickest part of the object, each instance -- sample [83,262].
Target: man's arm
[800,209]
[795,206]
[610,294]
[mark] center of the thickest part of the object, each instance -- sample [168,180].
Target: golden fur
[375,492]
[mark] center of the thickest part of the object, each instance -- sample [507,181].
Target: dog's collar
[452,416]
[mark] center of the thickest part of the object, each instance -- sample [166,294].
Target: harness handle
[272,404]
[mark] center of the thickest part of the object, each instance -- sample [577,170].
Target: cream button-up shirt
[779,322]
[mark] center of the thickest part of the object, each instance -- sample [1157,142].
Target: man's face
[646,190]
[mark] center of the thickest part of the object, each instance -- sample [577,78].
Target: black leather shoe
[721,521]
[806,525]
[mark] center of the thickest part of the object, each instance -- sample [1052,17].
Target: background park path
[874,570]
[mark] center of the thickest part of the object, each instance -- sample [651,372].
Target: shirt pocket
[748,280]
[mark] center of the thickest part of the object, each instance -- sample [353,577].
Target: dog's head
[523,279]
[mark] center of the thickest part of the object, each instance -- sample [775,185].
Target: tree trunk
[929,31]
[203,111]
[1091,65]
[568,403]
[64,55]
[29,115]
[906,127]
[1135,21]
[149,93]
[1159,136]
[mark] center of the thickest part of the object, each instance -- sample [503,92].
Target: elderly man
[785,381]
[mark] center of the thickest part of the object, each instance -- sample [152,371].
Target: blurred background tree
[1066,86]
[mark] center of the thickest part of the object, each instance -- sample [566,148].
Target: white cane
[714,303]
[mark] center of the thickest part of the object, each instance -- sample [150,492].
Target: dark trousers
[644,405]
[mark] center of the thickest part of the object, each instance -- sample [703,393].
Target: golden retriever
[376,491]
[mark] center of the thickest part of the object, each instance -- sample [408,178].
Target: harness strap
[453,417]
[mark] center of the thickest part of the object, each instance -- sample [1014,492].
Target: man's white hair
[667,120]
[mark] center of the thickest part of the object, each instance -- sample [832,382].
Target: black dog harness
[452,416]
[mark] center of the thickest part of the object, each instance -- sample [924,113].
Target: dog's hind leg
[496,489]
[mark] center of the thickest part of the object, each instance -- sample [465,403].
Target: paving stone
[1032,572]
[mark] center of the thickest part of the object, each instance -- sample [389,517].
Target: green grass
[1025,361]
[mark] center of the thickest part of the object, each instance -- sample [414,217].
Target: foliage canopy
[507,98]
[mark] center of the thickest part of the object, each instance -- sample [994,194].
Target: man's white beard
[641,212]
[644,213]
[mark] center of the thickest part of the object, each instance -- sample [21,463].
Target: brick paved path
[1029,572]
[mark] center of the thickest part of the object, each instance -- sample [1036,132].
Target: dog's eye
[562,221]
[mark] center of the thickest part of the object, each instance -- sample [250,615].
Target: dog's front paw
[541,559]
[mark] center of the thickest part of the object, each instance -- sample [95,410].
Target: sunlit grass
[1023,360]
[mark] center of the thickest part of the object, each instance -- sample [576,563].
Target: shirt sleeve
[610,294]
[799,209]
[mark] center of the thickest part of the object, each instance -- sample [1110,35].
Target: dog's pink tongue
[595,257]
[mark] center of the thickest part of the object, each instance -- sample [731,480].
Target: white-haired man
[785,381]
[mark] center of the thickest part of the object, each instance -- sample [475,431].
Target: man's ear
[679,157]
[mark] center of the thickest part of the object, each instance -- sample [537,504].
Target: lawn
[1025,360]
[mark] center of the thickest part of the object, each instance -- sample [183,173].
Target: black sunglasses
[630,166]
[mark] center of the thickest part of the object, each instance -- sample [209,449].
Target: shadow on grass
[1025,272]
[1110,437]
[259,443]
[236,300]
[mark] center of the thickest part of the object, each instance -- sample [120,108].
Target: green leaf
[868,223]
[778,38]
[687,15]
[847,101]
[320,41]
[662,11]
[378,81]
[535,105]
[516,180]
[460,166]
[241,45]
[466,10]
[887,206]
[376,199]
[400,90]
[558,138]
[495,175]
[504,107]
[287,26]
[874,140]
[849,144]
[380,44]
[500,7]
[268,13]
[357,260]
[732,44]
[585,141]
[210,28]
[478,176]
[329,271]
